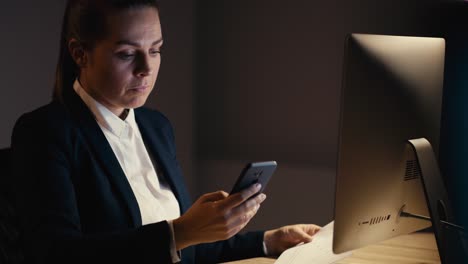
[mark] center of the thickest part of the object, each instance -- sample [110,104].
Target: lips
[139,88]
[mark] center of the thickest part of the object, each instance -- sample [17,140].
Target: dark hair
[85,20]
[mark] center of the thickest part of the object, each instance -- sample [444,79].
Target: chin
[136,103]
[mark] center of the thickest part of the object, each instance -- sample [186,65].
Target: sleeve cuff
[265,251]
[175,255]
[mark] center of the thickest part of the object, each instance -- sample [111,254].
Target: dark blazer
[74,201]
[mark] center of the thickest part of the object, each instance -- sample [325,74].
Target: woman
[96,174]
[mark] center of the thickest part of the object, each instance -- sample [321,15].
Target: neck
[121,112]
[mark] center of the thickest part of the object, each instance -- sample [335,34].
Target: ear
[78,52]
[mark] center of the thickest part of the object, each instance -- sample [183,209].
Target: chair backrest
[5,172]
[10,252]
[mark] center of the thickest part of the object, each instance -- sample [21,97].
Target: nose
[143,67]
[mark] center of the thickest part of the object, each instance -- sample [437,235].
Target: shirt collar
[104,116]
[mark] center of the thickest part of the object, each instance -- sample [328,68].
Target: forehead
[139,25]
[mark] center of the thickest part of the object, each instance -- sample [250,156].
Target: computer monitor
[391,93]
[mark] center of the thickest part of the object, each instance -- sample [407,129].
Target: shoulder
[53,114]
[51,120]
[153,115]
[153,118]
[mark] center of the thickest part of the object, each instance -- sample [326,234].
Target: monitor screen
[391,93]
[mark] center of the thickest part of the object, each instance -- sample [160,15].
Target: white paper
[319,251]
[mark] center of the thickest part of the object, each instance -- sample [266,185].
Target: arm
[216,217]
[43,169]
[240,246]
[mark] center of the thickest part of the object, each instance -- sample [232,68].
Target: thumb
[213,196]
[302,236]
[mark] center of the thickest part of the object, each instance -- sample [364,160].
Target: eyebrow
[131,43]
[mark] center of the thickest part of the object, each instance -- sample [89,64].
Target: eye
[154,52]
[125,55]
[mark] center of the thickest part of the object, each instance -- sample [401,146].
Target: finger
[235,230]
[246,213]
[302,236]
[241,220]
[311,229]
[238,198]
[249,205]
[214,196]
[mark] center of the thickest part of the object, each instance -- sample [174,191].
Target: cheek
[116,75]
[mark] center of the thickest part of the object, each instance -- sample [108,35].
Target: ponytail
[66,71]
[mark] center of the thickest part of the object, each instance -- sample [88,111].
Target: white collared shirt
[155,198]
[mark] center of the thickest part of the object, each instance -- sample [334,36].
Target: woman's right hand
[216,216]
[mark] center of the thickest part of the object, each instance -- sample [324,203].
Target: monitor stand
[451,239]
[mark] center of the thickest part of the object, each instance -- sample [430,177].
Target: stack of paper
[319,251]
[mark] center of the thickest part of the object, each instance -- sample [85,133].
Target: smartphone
[254,172]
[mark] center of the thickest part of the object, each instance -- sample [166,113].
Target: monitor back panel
[391,92]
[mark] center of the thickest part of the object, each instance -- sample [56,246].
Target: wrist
[182,235]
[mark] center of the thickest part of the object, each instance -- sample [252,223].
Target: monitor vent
[379,219]
[376,220]
[412,170]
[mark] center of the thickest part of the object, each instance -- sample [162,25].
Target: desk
[416,248]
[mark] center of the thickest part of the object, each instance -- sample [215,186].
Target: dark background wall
[30,39]
[29,43]
[268,87]
[251,80]
[454,148]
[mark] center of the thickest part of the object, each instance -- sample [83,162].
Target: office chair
[10,252]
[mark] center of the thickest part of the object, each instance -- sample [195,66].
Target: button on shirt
[155,199]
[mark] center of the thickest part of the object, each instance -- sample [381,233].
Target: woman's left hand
[278,240]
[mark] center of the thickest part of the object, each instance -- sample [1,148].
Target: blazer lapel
[166,161]
[104,153]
